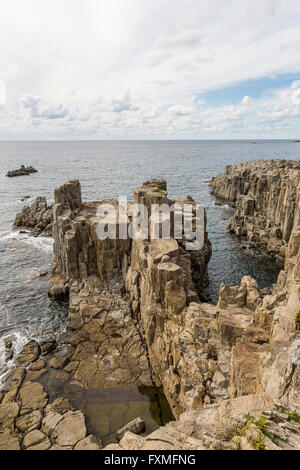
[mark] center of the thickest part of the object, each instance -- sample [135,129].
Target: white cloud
[2,93]
[147,60]
[40,108]
[282,106]
[123,104]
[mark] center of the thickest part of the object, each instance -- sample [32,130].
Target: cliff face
[266,196]
[266,200]
[230,372]
[280,370]
[161,281]
[199,353]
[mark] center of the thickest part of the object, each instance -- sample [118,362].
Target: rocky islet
[22,171]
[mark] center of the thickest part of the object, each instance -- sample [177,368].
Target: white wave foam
[43,243]
[221,205]
[11,235]
[18,339]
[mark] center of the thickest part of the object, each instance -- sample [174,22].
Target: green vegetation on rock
[297,321]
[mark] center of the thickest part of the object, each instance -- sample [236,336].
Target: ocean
[105,170]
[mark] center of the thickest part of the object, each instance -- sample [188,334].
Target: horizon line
[292,140]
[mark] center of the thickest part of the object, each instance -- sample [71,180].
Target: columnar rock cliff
[266,197]
[138,314]
[198,352]
[161,281]
[266,200]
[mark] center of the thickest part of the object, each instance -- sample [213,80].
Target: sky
[141,69]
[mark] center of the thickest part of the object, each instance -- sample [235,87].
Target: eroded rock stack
[36,218]
[266,198]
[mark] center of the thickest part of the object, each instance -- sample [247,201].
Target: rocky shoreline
[138,315]
[266,199]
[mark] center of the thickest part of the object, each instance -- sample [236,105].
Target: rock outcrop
[110,338]
[266,198]
[37,218]
[265,359]
[138,315]
[27,419]
[136,426]
[245,423]
[161,282]
[23,171]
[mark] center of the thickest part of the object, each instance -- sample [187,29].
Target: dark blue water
[111,169]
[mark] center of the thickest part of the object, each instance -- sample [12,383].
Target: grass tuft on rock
[297,321]
[159,191]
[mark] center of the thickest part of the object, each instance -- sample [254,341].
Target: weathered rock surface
[136,426]
[89,443]
[135,316]
[36,440]
[29,354]
[9,441]
[8,414]
[33,396]
[22,171]
[36,218]
[71,429]
[30,422]
[266,197]
[162,278]
[245,423]
[269,362]
[27,420]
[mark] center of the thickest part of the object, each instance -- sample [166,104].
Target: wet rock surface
[136,426]
[28,421]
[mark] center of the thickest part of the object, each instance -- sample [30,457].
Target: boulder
[8,414]
[29,422]
[62,357]
[50,423]
[71,429]
[9,440]
[38,365]
[33,397]
[136,426]
[36,440]
[89,443]
[29,353]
